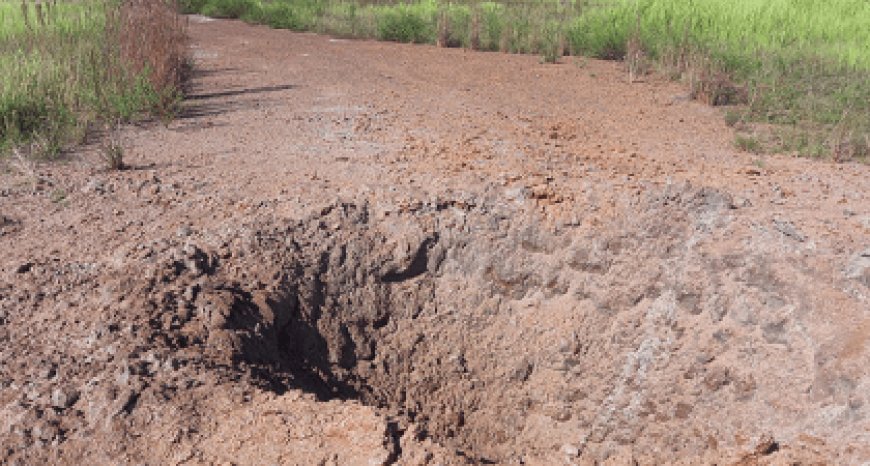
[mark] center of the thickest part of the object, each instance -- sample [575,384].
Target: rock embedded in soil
[858,267]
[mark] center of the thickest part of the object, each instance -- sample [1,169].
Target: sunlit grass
[799,64]
[65,66]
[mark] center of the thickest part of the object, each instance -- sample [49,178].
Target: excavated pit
[467,332]
[505,338]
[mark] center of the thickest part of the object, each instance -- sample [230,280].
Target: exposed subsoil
[349,252]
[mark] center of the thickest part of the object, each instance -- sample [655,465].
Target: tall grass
[516,27]
[801,65]
[68,66]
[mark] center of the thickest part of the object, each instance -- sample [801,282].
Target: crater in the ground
[498,336]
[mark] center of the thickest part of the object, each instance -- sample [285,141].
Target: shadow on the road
[235,92]
[219,102]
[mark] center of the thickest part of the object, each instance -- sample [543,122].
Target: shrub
[748,144]
[406,23]
[234,9]
[600,34]
[455,26]
[491,25]
[191,6]
[84,62]
[550,43]
[283,16]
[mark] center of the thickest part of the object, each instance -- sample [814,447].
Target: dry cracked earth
[361,253]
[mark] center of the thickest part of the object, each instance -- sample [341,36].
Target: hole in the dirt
[500,344]
[344,325]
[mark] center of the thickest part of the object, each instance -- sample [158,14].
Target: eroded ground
[351,252]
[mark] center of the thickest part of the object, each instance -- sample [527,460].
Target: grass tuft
[748,144]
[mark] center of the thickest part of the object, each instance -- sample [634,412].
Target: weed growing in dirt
[65,66]
[457,27]
[732,117]
[228,8]
[111,149]
[551,43]
[113,154]
[748,143]
[58,196]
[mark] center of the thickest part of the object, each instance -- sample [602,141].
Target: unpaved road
[351,252]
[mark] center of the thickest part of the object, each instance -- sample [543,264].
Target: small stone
[558,412]
[24,268]
[190,292]
[127,402]
[183,231]
[63,399]
[48,372]
[858,267]
[739,202]
[787,228]
[95,186]
[570,450]
[717,377]
[766,445]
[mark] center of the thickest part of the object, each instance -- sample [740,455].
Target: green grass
[68,66]
[801,65]
[747,143]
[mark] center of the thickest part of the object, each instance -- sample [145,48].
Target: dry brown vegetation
[67,67]
[152,43]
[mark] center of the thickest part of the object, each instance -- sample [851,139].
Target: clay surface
[349,252]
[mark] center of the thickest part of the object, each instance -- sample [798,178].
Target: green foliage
[46,71]
[600,34]
[491,25]
[283,16]
[455,26]
[191,6]
[62,69]
[407,22]
[802,64]
[748,144]
[229,8]
[550,43]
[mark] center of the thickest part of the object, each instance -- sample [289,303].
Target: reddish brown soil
[347,252]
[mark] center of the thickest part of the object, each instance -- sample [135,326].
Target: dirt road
[348,252]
